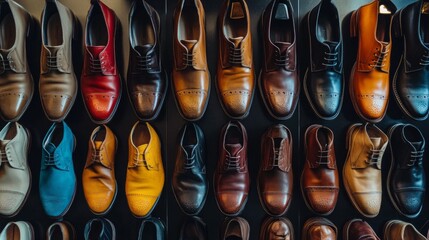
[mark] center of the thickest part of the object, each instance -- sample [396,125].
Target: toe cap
[141,205]
[192,102]
[322,201]
[237,102]
[232,202]
[56,105]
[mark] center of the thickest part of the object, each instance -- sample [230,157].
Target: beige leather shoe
[17,231]
[399,230]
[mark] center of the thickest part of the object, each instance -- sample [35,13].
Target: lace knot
[415,157]
[282,60]
[141,161]
[380,57]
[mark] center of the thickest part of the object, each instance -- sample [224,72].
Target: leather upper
[235,228]
[231,177]
[319,229]
[276,228]
[275,178]
[98,177]
[357,229]
[400,230]
[60,230]
[103,229]
[193,228]
[20,229]
[159,228]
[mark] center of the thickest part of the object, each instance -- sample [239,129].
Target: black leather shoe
[323,81]
[411,80]
[189,178]
[158,234]
[406,180]
[193,229]
[100,228]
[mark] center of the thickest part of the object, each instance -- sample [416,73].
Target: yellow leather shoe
[145,173]
[98,177]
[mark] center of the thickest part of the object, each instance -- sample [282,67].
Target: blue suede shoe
[57,185]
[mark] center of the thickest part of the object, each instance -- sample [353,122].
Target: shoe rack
[169,123]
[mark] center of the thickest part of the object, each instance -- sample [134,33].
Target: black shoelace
[281,60]
[95,65]
[276,157]
[235,55]
[143,63]
[5,63]
[52,62]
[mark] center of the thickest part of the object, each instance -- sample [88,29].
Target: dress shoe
[99,229]
[193,229]
[57,183]
[100,80]
[366,144]
[399,230]
[189,182]
[323,81]
[369,80]
[411,80]
[98,177]
[231,177]
[319,228]
[57,83]
[19,230]
[276,228]
[356,229]
[320,183]
[157,225]
[235,228]
[145,173]
[235,73]
[16,82]
[147,81]
[406,182]
[15,174]
[190,75]
[278,79]
[275,177]
[60,231]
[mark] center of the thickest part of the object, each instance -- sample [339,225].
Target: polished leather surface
[407,178]
[319,229]
[15,174]
[98,177]
[276,229]
[60,231]
[147,82]
[366,144]
[235,228]
[324,83]
[189,181]
[100,80]
[193,228]
[275,177]
[145,171]
[369,80]
[190,74]
[100,229]
[320,183]
[357,229]
[57,182]
[19,230]
[411,80]
[235,79]
[16,81]
[400,230]
[57,83]
[156,224]
[278,79]
[231,176]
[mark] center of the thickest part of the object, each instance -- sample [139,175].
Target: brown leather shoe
[58,83]
[98,177]
[357,229]
[278,79]
[369,86]
[276,228]
[235,228]
[235,74]
[275,177]
[190,75]
[319,228]
[400,230]
[366,144]
[231,176]
[16,82]
[61,230]
[320,183]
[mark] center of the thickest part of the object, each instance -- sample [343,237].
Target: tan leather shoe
[319,228]
[400,230]
[58,83]
[145,174]
[366,144]
[98,177]
[369,86]
[191,77]
[235,72]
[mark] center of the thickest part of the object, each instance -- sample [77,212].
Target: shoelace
[138,161]
[52,62]
[380,58]
[6,64]
[416,156]
[330,59]
[233,163]
[189,59]
[96,156]
[50,159]
[143,63]
[235,55]
[276,157]
[3,156]
[189,163]
[95,65]
[424,61]
[323,157]
[375,157]
[281,60]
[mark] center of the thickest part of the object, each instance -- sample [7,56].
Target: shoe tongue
[142,148]
[233,148]
[53,49]
[417,145]
[283,46]
[236,41]
[50,148]
[95,50]
[98,144]
[143,50]
[331,45]
[189,44]
[376,142]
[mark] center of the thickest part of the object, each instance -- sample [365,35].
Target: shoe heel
[353,25]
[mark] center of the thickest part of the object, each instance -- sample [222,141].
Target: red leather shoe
[100,81]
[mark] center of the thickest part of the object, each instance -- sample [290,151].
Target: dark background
[169,123]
